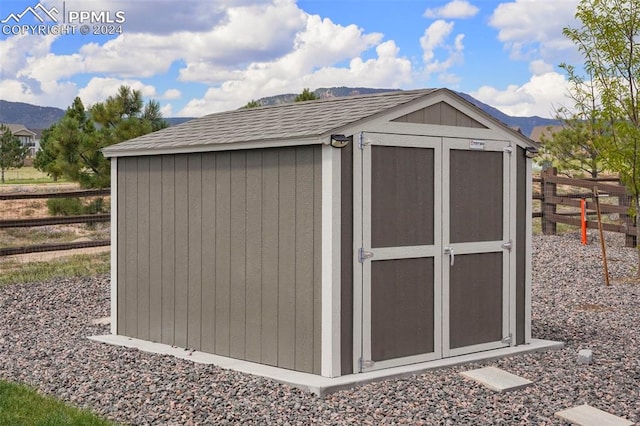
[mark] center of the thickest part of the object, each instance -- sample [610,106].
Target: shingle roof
[18,129]
[287,121]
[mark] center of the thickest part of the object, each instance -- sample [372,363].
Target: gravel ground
[43,343]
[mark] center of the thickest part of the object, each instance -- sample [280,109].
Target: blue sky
[201,56]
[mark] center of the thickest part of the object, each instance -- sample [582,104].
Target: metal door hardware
[451,253]
[363,255]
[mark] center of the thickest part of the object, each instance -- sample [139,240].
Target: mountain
[525,124]
[30,116]
[36,117]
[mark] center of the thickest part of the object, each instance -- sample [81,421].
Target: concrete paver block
[586,415]
[585,356]
[497,379]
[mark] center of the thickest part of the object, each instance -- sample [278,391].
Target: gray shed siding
[221,252]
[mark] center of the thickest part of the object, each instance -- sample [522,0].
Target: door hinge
[362,142]
[364,255]
[508,245]
[508,150]
[366,363]
[507,339]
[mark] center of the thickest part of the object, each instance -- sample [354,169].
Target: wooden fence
[53,220]
[560,203]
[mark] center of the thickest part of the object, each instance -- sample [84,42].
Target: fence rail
[43,221]
[558,192]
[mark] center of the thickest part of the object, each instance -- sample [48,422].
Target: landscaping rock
[44,330]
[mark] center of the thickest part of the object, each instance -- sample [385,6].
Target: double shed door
[433,276]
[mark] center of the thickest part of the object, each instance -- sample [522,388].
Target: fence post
[630,239]
[548,209]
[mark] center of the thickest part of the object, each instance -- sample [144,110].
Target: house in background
[27,137]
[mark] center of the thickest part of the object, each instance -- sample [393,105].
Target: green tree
[608,41]
[306,95]
[12,152]
[46,159]
[73,147]
[572,149]
[252,104]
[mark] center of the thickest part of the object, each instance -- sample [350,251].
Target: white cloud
[167,110]
[540,96]
[17,51]
[457,9]
[98,89]
[539,67]
[259,80]
[533,28]
[435,36]
[247,32]
[33,92]
[172,94]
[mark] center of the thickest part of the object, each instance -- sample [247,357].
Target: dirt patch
[47,256]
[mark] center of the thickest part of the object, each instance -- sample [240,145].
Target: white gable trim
[384,123]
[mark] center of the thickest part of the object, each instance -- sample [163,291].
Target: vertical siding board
[346,259]
[155,248]
[223,250]
[238,253]
[195,251]
[317,258]
[122,246]
[254,256]
[131,240]
[270,250]
[286,259]
[143,248]
[168,249]
[304,259]
[449,114]
[181,250]
[432,114]
[208,251]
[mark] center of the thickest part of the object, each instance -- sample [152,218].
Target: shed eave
[233,146]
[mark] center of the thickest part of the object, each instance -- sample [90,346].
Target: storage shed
[331,237]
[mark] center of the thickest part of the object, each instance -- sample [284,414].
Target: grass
[81,265]
[20,405]
[26,175]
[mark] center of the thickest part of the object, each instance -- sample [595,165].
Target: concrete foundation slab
[497,379]
[318,384]
[586,415]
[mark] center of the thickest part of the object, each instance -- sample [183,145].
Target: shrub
[74,206]
[64,206]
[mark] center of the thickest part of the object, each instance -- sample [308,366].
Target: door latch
[452,255]
[364,255]
[507,245]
